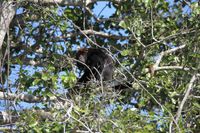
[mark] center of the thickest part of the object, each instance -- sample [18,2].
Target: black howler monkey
[95,63]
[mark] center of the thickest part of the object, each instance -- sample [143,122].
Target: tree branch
[10,117]
[190,86]
[106,35]
[171,37]
[178,114]
[24,97]
[71,2]
[96,33]
[172,67]
[155,67]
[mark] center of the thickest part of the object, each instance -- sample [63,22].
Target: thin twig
[178,114]
[172,68]
[155,66]
[170,37]
[190,87]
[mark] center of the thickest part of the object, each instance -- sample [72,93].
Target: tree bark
[7,12]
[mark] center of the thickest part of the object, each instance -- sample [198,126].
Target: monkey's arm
[85,77]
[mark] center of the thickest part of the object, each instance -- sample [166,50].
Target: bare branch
[70,2]
[93,32]
[171,68]
[171,37]
[8,129]
[198,97]
[174,49]
[23,97]
[91,13]
[156,65]
[102,19]
[62,2]
[106,35]
[190,87]
[8,117]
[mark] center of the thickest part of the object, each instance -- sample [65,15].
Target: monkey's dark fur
[95,63]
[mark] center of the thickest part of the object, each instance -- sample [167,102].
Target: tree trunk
[7,12]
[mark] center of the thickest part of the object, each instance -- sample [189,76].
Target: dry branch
[180,108]
[70,2]
[11,117]
[190,86]
[23,97]
[156,67]
[172,68]
[93,32]
[172,37]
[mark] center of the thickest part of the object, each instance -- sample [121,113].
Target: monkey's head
[81,56]
[95,63]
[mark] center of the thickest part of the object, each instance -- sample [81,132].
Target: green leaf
[33,123]
[197,105]
[125,52]
[149,127]
[45,76]
[36,81]
[196,55]
[123,24]
[51,68]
